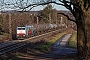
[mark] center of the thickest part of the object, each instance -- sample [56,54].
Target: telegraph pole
[37,19]
[56,18]
[50,17]
[61,21]
[10,28]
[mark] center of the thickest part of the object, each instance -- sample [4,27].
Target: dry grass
[73,41]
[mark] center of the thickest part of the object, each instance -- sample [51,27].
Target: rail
[18,44]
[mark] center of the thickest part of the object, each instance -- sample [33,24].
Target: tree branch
[86,4]
[68,17]
[44,3]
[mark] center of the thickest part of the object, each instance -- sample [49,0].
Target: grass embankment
[46,47]
[4,37]
[73,40]
[43,47]
[3,34]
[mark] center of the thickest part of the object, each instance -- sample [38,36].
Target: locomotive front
[21,31]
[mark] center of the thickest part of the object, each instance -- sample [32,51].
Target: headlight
[23,35]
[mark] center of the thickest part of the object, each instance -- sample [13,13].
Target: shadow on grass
[42,49]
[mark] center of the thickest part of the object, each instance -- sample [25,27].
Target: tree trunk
[83,36]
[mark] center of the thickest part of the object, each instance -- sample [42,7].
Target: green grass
[4,34]
[72,42]
[45,47]
[56,38]
[16,57]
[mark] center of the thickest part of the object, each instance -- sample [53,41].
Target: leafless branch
[44,3]
[86,4]
[68,17]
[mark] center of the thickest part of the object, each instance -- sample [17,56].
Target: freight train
[36,29]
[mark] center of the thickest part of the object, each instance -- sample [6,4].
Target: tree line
[47,15]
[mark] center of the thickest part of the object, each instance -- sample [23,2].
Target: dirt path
[60,48]
[58,51]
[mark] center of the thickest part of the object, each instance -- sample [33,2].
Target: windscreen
[21,28]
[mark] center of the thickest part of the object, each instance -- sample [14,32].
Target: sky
[57,7]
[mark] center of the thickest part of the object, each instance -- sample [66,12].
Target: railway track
[11,46]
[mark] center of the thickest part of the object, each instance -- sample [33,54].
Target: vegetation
[16,57]
[1,23]
[73,41]
[80,9]
[46,46]
[45,13]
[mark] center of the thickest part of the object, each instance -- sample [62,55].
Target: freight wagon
[36,29]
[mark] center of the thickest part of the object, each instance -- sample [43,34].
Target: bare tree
[80,9]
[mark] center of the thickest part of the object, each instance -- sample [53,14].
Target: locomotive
[36,29]
[24,31]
